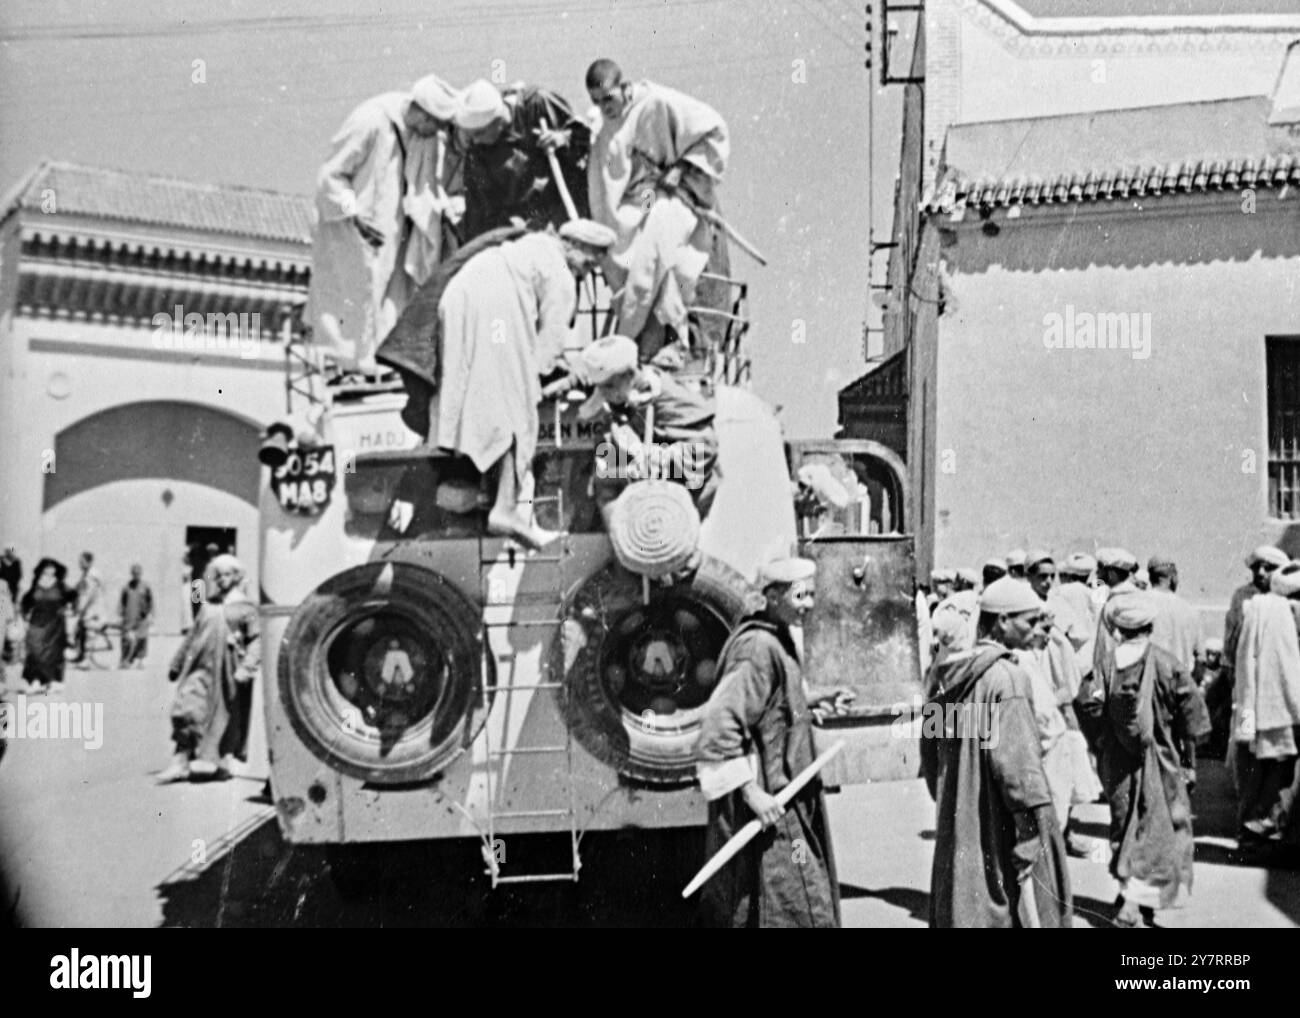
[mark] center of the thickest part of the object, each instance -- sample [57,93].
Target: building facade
[1095,284]
[142,330]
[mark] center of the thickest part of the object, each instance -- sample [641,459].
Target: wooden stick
[558,176]
[747,833]
[709,216]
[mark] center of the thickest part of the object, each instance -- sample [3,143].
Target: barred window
[1283,365]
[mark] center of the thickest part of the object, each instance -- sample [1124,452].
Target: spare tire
[635,677]
[380,672]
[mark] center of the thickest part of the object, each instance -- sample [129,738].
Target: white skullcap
[589,232]
[1267,553]
[609,357]
[1015,557]
[1009,596]
[943,575]
[786,570]
[480,104]
[435,97]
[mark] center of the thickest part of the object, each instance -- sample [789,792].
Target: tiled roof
[1224,145]
[165,201]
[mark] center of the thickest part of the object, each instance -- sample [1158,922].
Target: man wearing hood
[999,859]
[1266,703]
[755,738]
[1151,716]
[386,198]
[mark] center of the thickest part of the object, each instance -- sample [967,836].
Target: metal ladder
[498,757]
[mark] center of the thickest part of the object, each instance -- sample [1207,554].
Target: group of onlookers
[53,618]
[1112,670]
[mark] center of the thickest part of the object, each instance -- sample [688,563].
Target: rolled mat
[654,528]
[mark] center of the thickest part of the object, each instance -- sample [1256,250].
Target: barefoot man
[504,321]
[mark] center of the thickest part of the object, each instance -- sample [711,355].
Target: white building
[126,431]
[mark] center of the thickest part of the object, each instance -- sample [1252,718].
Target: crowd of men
[453,224]
[1059,684]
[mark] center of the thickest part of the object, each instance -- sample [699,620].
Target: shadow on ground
[629,879]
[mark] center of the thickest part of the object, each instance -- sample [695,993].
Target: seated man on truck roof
[682,445]
[656,159]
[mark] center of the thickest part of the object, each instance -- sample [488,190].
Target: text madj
[45,719]
[102,972]
[1104,330]
[193,333]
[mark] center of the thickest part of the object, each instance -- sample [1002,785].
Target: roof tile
[166,201]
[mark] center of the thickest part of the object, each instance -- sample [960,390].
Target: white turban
[229,562]
[1009,596]
[609,357]
[1116,558]
[1267,553]
[1130,609]
[435,97]
[480,104]
[1079,564]
[589,232]
[1286,580]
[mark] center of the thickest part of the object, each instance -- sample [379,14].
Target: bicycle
[101,651]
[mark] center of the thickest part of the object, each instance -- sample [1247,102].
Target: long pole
[747,833]
[558,176]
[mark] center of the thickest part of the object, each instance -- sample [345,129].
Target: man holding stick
[756,737]
[656,161]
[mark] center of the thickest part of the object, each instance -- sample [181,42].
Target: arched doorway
[129,483]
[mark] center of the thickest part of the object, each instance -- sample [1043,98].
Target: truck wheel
[381,670]
[636,676]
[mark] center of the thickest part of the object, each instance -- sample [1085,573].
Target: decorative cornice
[69,277]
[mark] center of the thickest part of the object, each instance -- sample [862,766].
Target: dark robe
[1153,714]
[11,573]
[414,346]
[136,610]
[786,875]
[995,822]
[44,609]
[215,666]
[685,442]
[512,176]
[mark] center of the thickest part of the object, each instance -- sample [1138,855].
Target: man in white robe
[1266,703]
[655,147]
[505,318]
[385,198]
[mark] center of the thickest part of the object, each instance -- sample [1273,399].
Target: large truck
[426,680]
